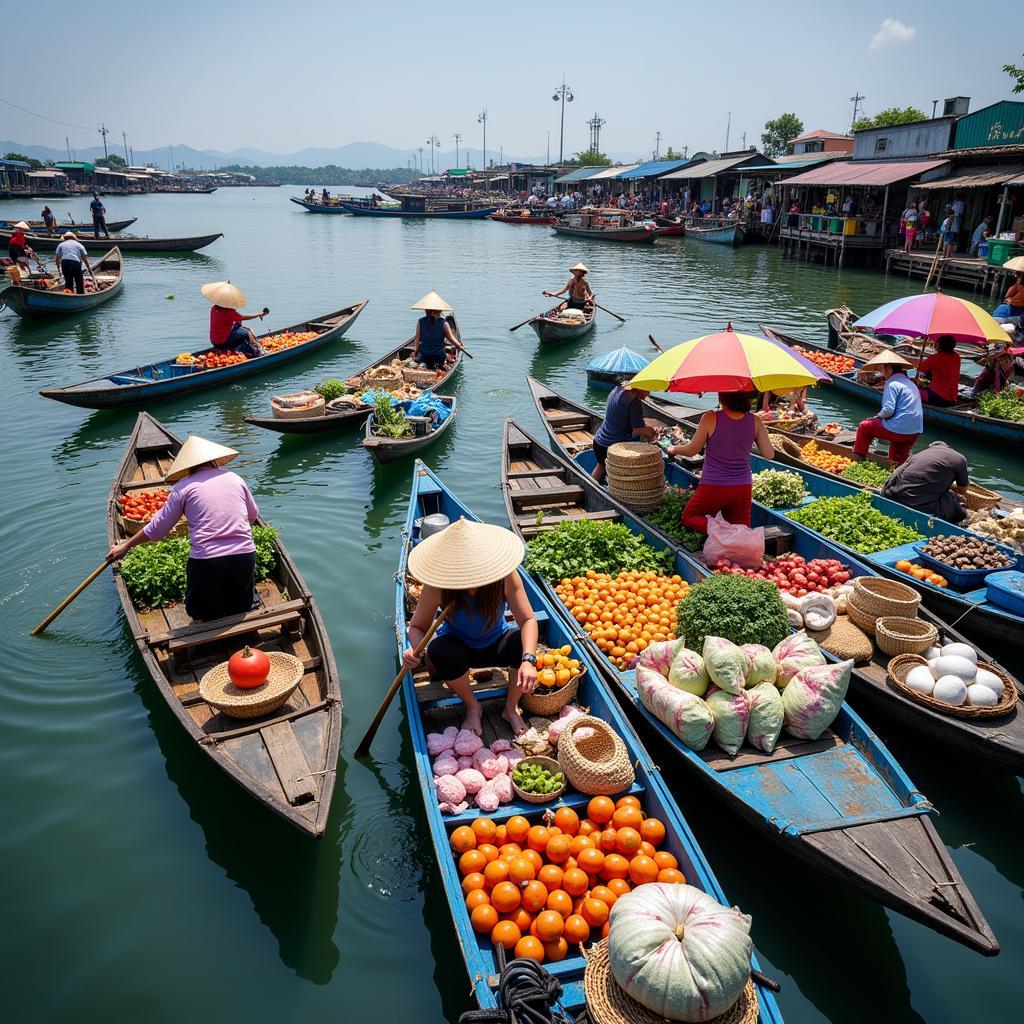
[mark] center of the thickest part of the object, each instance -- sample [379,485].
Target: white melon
[951,689]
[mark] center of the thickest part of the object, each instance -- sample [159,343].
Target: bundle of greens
[869,473]
[668,517]
[388,420]
[573,547]
[854,522]
[1007,405]
[739,608]
[778,488]
[329,390]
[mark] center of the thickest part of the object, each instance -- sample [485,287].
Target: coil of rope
[527,994]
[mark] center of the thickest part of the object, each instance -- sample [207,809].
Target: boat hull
[77,226]
[393,449]
[49,243]
[363,211]
[643,236]
[729,234]
[552,331]
[506,219]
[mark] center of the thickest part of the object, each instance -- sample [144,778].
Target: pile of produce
[1007,405]
[832,428]
[622,614]
[411,364]
[778,488]
[331,389]
[829,361]
[389,421]
[287,339]
[155,573]
[853,521]
[741,609]
[591,546]
[668,517]
[793,574]
[141,506]
[952,675]
[184,359]
[540,890]
[217,360]
[535,778]
[1008,530]
[819,458]
[871,474]
[735,694]
[919,572]
[555,668]
[967,554]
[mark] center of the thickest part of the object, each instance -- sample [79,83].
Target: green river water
[138,881]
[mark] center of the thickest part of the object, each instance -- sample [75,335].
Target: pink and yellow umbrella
[932,315]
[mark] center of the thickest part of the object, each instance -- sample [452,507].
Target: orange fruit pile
[624,613]
[919,572]
[827,360]
[540,889]
[287,339]
[555,667]
[820,459]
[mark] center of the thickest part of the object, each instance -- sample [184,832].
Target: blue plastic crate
[1006,589]
[962,579]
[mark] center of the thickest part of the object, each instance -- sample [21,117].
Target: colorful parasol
[932,315]
[728,361]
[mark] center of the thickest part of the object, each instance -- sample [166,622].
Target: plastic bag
[740,544]
[427,405]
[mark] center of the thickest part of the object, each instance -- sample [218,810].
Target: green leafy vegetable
[668,517]
[535,778]
[870,473]
[1007,405]
[573,547]
[854,522]
[331,389]
[389,421]
[778,488]
[742,609]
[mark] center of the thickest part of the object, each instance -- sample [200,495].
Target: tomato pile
[216,360]
[287,339]
[920,572]
[821,459]
[792,574]
[142,505]
[834,363]
[624,613]
[539,890]
[555,667]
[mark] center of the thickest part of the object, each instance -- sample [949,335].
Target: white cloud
[892,31]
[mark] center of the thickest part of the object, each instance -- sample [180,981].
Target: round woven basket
[598,765]
[845,640]
[548,704]
[217,689]
[646,501]
[609,1003]
[412,375]
[860,618]
[786,445]
[386,377]
[298,406]
[898,668]
[896,635]
[977,497]
[880,597]
[633,457]
[540,798]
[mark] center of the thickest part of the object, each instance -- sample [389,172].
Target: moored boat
[60,227]
[714,229]
[126,243]
[287,758]
[525,215]
[564,324]
[425,432]
[42,296]
[426,207]
[169,377]
[670,227]
[611,225]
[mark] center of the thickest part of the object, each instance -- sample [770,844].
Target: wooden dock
[966,271]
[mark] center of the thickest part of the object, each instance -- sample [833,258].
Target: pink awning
[865,172]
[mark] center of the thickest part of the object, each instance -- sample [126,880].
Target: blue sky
[282,76]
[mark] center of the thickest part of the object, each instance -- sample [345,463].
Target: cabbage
[726,663]
[813,698]
[765,724]
[731,713]
[688,672]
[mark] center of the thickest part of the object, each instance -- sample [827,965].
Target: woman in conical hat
[900,421]
[226,330]
[473,567]
[433,333]
[577,290]
[219,508]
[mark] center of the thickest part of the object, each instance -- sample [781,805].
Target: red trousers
[899,444]
[732,500]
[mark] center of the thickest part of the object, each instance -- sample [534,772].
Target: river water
[138,880]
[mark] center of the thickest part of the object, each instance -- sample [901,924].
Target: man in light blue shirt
[900,421]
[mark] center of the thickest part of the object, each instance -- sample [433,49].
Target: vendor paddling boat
[287,757]
[40,296]
[430,708]
[189,372]
[126,243]
[424,431]
[564,324]
[842,802]
[843,338]
[84,227]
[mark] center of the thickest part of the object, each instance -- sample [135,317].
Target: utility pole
[595,124]
[935,104]
[131,149]
[482,119]
[657,145]
[420,151]
[563,93]
[743,141]
[67,143]
[501,155]
[124,139]
[728,128]
[104,131]
[855,99]
[457,136]
[548,163]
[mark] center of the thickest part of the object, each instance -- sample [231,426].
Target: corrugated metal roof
[651,169]
[977,177]
[578,175]
[864,172]
[709,168]
[613,172]
[809,161]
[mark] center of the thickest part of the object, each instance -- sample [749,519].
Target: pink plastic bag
[740,544]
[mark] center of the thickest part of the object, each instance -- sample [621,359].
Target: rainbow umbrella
[728,361]
[934,314]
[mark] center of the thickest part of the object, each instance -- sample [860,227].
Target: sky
[284,76]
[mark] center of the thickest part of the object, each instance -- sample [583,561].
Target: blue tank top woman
[470,626]
[432,340]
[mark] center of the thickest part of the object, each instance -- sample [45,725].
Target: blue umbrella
[622,360]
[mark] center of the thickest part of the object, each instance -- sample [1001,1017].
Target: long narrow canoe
[127,243]
[34,303]
[841,335]
[841,802]
[391,449]
[61,226]
[524,216]
[478,213]
[167,379]
[710,229]
[551,329]
[286,759]
[354,415]
[430,707]
[670,227]
[643,235]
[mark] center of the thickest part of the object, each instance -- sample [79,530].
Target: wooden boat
[551,329]
[999,743]
[334,204]
[670,227]
[391,449]
[525,215]
[843,338]
[60,227]
[429,708]
[713,229]
[31,300]
[962,417]
[426,207]
[342,418]
[610,225]
[167,378]
[842,803]
[286,759]
[126,243]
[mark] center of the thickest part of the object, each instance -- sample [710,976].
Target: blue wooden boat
[425,207]
[713,229]
[33,302]
[842,802]
[430,707]
[168,379]
[334,205]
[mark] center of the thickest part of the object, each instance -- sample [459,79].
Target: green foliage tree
[890,116]
[1017,74]
[591,158]
[674,154]
[329,175]
[114,161]
[34,164]
[778,132]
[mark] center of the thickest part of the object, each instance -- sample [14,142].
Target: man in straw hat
[472,567]
[219,508]
[577,290]
[70,256]
[226,330]
[433,333]
[900,421]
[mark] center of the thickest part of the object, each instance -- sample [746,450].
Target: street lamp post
[482,119]
[434,142]
[457,136]
[563,93]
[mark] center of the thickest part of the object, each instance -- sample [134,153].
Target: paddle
[621,319]
[74,593]
[525,322]
[364,744]
[650,338]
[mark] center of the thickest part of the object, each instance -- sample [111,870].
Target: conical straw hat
[1017,263]
[466,555]
[580,266]
[24,227]
[886,358]
[197,451]
[433,301]
[223,293]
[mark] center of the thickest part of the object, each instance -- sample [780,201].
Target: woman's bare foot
[512,716]
[472,721]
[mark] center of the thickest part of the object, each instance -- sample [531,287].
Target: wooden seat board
[787,747]
[428,689]
[293,770]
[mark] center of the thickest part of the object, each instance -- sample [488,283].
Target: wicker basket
[413,376]
[130,527]
[298,406]
[976,497]
[798,424]
[540,798]
[598,765]
[880,597]
[286,673]
[633,458]
[896,635]
[548,704]
[860,618]
[786,445]
[897,673]
[386,377]
[845,640]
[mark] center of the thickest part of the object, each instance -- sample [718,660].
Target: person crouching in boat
[726,481]
[900,421]
[220,511]
[925,481]
[473,567]
[623,421]
[433,333]
[226,330]
[577,290]
[18,249]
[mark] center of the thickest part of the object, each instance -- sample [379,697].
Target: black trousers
[215,587]
[73,277]
[452,658]
[99,224]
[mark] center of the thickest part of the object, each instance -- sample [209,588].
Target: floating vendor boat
[208,367]
[426,207]
[614,368]
[424,431]
[126,243]
[715,229]
[340,204]
[564,324]
[85,227]
[429,708]
[40,296]
[670,227]
[611,225]
[285,757]
[525,215]
[843,337]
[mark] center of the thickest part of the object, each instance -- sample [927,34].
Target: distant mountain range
[355,155]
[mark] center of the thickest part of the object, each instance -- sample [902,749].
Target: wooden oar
[622,319]
[650,338]
[67,600]
[525,322]
[364,744]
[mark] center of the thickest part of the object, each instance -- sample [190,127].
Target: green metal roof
[580,174]
[1001,124]
[76,165]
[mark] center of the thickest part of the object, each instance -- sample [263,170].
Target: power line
[52,120]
